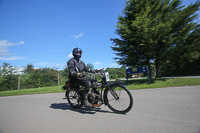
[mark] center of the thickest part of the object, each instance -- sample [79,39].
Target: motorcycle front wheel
[74,99]
[118,98]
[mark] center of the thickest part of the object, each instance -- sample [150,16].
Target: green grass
[131,84]
[159,83]
[53,89]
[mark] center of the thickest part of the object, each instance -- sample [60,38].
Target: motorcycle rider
[76,68]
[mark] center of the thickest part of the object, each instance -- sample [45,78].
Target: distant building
[20,70]
[1,70]
[16,70]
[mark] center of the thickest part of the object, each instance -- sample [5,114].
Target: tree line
[43,77]
[31,78]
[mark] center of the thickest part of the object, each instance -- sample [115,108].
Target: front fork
[109,87]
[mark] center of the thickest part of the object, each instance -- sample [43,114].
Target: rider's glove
[79,75]
[64,87]
[91,71]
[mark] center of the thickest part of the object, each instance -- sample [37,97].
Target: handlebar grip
[99,70]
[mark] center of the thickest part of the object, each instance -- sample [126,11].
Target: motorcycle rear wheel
[74,99]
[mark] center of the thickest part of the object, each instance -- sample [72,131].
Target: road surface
[162,110]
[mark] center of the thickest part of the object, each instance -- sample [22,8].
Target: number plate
[107,76]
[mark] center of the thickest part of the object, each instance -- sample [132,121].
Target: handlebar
[99,70]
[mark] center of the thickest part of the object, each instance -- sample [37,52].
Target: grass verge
[131,84]
[52,89]
[159,83]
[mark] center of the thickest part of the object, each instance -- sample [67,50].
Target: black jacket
[75,67]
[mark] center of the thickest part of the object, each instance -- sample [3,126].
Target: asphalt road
[162,110]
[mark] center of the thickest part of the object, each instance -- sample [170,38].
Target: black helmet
[76,52]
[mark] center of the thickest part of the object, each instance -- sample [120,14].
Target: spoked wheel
[74,99]
[119,98]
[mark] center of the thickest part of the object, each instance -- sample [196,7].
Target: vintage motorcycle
[115,94]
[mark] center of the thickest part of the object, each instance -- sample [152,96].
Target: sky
[44,32]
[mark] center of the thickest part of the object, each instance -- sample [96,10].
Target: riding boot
[85,102]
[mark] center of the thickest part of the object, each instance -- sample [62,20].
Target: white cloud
[97,63]
[69,56]
[78,36]
[13,58]
[57,65]
[114,64]
[43,64]
[4,44]
[3,51]
[50,65]
[21,42]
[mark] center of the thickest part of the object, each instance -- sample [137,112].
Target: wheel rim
[74,98]
[119,100]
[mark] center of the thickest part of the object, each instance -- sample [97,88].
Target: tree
[150,30]
[90,66]
[115,73]
[1,70]
[29,68]
[42,77]
[65,73]
[189,61]
[9,78]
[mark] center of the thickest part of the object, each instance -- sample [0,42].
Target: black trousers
[86,82]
